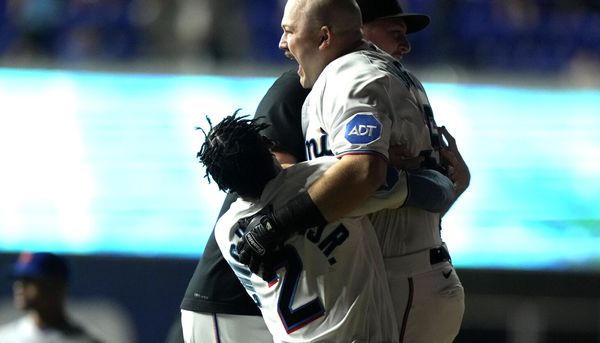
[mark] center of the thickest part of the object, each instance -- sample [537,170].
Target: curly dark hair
[237,157]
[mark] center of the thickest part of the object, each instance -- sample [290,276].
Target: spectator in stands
[40,289]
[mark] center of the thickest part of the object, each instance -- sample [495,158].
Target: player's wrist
[298,215]
[270,229]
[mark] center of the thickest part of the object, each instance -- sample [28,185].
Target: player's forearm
[426,189]
[347,184]
[390,198]
[343,187]
[460,186]
[458,169]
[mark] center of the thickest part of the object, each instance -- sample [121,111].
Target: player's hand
[259,244]
[458,171]
[264,266]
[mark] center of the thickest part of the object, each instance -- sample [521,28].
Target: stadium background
[99,100]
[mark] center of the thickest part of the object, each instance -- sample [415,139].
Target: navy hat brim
[25,272]
[40,266]
[414,22]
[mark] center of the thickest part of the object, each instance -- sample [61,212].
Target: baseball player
[386,25]
[40,289]
[327,284]
[362,101]
[433,298]
[215,307]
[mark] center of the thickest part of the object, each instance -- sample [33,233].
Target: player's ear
[324,37]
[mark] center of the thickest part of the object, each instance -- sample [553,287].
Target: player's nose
[283,42]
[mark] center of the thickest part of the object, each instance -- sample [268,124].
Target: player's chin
[289,55]
[399,54]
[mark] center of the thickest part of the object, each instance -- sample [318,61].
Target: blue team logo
[363,128]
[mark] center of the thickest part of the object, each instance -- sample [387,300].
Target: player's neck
[354,46]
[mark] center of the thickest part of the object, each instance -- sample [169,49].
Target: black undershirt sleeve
[281,108]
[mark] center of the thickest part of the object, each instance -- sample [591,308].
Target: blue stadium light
[104,163]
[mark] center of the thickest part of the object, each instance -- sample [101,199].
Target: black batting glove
[263,266]
[260,244]
[262,236]
[266,231]
[266,268]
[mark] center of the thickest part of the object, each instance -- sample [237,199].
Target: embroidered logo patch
[363,128]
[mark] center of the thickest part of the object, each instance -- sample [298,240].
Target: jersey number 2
[294,319]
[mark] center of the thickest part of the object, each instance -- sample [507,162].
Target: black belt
[439,255]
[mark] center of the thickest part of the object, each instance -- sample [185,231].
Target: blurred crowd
[537,36]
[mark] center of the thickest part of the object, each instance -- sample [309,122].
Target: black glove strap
[299,214]
[262,226]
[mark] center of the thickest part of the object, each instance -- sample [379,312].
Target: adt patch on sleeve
[363,128]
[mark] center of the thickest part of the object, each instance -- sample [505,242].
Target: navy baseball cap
[389,9]
[40,265]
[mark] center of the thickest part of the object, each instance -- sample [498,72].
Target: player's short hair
[340,15]
[237,157]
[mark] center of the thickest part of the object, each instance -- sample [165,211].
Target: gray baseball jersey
[362,103]
[331,285]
